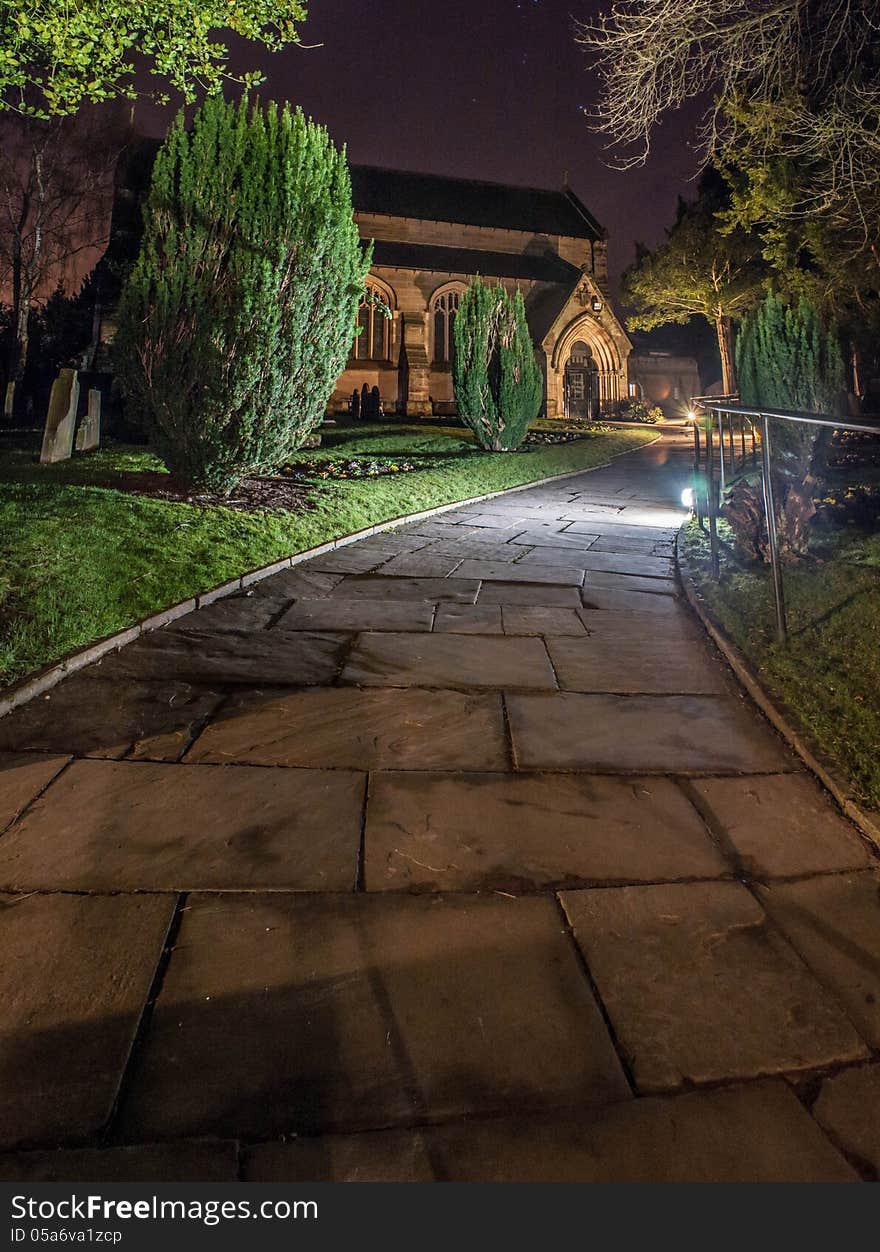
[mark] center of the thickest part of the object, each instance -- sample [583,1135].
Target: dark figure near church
[371,404]
[354,405]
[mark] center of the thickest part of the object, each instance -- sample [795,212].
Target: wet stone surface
[450,853]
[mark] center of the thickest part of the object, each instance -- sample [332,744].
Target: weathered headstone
[61,418]
[88,437]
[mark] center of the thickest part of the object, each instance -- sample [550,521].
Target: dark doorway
[581,383]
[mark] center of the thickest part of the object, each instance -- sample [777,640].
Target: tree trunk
[724,330]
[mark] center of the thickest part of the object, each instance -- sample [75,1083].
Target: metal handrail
[731,407]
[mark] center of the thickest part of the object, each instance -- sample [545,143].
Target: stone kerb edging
[775,710]
[29,688]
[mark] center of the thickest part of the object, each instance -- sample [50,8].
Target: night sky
[477,88]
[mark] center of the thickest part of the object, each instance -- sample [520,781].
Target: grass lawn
[829,674]
[80,558]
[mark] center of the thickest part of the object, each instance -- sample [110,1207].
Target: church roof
[541,267]
[434,198]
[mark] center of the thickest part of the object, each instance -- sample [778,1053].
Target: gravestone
[61,418]
[88,437]
[9,401]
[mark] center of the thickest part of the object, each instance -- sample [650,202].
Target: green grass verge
[80,559]
[828,676]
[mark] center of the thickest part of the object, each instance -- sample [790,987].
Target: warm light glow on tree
[56,56]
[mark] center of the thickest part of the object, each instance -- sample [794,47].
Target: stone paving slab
[780,825]
[605,663]
[165,1162]
[498,571]
[755,1133]
[484,832]
[22,777]
[343,728]
[231,658]
[468,619]
[621,601]
[700,987]
[523,620]
[399,543]
[617,525]
[640,545]
[357,615]
[660,629]
[422,565]
[303,582]
[477,550]
[596,579]
[434,590]
[75,976]
[634,734]
[848,1108]
[532,594]
[93,717]
[120,826]
[553,558]
[444,527]
[353,559]
[550,538]
[834,922]
[506,519]
[237,613]
[353,1012]
[442,660]
[630,563]
[380,1156]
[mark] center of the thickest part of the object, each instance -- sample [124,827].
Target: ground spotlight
[687,498]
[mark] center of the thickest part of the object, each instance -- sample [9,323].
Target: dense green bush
[499,386]
[239,314]
[639,411]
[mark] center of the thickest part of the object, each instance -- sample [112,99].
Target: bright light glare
[687,498]
[692,417]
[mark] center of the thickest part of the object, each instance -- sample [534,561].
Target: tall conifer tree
[499,387]
[787,359]
[239,314]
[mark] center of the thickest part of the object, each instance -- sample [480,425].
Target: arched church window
[581,355]
[374,341]
[444,309]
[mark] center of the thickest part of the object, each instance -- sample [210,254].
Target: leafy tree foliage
[55,56]
[240,312]
[499,386]
[699,271]
[794,122]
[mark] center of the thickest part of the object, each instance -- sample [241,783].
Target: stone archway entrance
[581,383]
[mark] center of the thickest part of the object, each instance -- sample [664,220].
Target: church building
[432,236]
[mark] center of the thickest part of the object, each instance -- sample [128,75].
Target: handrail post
[711,502]
[720,416]
[770,510]
[698,495]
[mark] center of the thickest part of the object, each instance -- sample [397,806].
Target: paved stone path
[453,854]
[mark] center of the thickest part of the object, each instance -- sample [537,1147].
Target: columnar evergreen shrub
[499,386]
[239,314]
[787,359]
